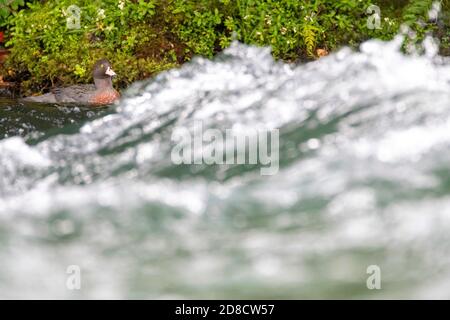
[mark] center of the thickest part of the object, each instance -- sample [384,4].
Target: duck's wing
[74,94]
[45,98]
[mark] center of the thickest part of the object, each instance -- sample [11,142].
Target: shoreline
[47,51]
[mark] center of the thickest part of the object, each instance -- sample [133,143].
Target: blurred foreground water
[364,180]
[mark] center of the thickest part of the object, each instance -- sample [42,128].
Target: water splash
[363,180]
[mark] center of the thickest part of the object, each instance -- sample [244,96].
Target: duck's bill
[110,72]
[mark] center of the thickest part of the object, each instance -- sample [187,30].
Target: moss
[142,38]
[44,52]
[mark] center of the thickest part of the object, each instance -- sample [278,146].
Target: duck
[97,94]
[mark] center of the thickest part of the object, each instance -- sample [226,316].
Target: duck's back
[82,93]
[75,94]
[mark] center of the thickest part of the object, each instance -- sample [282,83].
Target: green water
[363,180]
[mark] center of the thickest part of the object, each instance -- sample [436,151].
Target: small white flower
[101,14]
[121,4]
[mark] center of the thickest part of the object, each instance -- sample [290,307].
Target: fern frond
[309,38]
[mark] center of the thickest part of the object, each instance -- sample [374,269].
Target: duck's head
[103,74]
[103,70]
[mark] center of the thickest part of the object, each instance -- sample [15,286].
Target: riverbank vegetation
[56,42]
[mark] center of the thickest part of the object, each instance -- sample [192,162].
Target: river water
[363,180]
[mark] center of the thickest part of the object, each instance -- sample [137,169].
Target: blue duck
[99,93]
